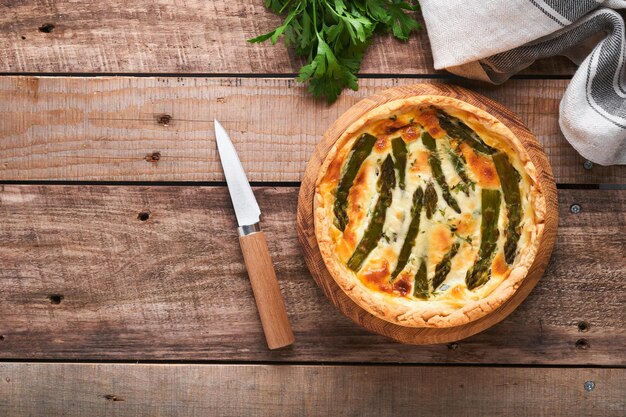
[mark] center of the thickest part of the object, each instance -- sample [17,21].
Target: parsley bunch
[333,36]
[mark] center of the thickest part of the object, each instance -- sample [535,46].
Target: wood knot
[164,119]
[46,28]
[55,298]
[153,157]
[110,397]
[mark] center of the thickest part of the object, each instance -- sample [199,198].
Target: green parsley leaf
[333,35]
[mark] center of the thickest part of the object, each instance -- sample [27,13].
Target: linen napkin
[490,40]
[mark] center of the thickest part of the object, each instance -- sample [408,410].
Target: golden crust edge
[384,306]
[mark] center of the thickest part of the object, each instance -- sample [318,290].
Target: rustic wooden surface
[191,36]
[315,262]
[161,129]
[141,271]
[77,390]
[84,277]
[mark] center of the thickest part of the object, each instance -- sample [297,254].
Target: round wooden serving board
[313,258]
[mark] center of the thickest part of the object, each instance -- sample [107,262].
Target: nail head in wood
[55,298]
[143,216]
[582,344]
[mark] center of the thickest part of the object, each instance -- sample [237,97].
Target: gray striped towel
[490,40]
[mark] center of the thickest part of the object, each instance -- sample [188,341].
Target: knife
[256,255]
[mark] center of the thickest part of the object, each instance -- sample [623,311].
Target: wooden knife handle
[269,300]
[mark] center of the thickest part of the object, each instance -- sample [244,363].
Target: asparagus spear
[360,150]
[411,234]
[399,153]
[479,273]
[420,286]
[509,180]
[459,166]
[435,166]
[455,128]
[443,268]
[374,231]
[430,200]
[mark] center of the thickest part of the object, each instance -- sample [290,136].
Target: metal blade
[246,208]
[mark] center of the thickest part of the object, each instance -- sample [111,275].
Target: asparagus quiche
[428,212]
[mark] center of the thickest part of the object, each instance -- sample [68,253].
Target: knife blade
[246,207]
[269,300]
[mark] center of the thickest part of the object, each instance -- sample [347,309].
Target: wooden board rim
[315,263]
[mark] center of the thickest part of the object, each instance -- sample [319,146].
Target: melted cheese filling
[437,234]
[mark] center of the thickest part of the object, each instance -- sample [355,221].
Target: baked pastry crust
[452,308]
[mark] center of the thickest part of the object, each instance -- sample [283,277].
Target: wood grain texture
[191,36]
[267,296]
[83,277]
[77,390]
[161,129]
[315,262]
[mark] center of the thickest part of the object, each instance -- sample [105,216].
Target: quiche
[428,212]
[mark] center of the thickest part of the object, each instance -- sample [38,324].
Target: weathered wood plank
[191,36]
[161,129]
[83,275]
[77,390]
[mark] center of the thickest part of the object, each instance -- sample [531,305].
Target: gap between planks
[434,76]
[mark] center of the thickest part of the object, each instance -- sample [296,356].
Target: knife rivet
[164,119]
[143,216]
[588,165]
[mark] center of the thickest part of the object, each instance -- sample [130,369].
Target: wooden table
[122,286]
